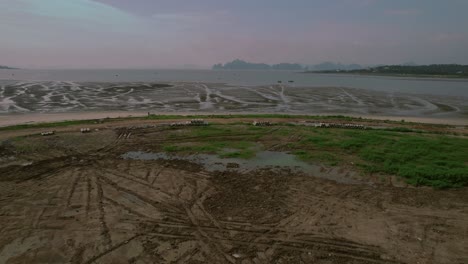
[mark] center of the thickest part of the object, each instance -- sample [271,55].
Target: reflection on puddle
[262,160]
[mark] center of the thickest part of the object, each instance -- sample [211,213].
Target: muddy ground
[71,198]
[59,97]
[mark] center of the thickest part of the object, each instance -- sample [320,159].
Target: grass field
[422,159]
[428,158]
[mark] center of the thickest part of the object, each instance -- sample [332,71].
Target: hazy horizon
[156,34]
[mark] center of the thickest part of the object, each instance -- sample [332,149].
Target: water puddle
[262,160]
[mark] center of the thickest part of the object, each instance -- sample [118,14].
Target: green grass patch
[25,145]
[427,159]
[242,154]
[225,149]
[435,161]
[422,159]
[326,157]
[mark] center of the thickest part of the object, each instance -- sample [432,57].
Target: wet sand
[69,100]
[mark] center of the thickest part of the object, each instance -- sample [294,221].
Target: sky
[187,33]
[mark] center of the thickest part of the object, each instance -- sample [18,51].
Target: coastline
[400,76]
[37,118]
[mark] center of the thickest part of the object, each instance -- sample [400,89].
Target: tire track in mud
[136,180]
[88,195]
[120,136]
[148,174]
[127,208]
[214,233]
[111,249]
[156,176]
[187,256]
[77,257]
[209,247]
[158,205]
[76,176]
[44,208]
[102,214]
[165,199]
[344,249]
[205,240]
[215,238]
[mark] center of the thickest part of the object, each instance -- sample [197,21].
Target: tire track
[207,241]
[203,238]
[166,199]
[88,195]
[138,181]
[111,249]
[127,208]
[166,208]
[156,176]
[105,229]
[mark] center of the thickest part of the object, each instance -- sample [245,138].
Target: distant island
[434,70]
[7,68]
[244,65]
[324,66]
[331,66]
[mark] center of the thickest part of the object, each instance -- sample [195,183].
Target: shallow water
[434,86]
[262,160]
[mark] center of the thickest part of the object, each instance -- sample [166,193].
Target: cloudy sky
[173,33]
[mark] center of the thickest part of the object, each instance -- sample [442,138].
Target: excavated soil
[80,202]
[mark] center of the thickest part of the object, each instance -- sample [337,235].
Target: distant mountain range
[325,66]
[6,67]
[444,70]
[244,65]
[330,66]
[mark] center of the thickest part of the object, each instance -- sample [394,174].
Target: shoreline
[37,118]
[402,76]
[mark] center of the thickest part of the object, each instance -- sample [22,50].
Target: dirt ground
[77,201]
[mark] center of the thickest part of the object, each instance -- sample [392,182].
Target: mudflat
[29,97]
[142,191]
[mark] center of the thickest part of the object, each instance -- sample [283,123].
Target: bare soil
[71,198]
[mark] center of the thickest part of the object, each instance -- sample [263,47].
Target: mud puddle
[263,160]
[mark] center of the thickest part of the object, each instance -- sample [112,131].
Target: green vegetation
[225,149]
[444,70]
[23,145]
[438,161]
[422,159]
